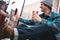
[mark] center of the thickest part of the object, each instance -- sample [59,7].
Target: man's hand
[36,17]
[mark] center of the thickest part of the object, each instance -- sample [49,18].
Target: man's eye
[41,4]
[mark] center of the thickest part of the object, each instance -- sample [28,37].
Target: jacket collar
[47,16]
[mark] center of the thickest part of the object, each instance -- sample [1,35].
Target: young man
[48,17]
[46,29]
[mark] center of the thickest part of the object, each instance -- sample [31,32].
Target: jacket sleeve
[28,22]
[15,35]
[55,24]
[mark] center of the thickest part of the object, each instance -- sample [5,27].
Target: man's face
[43,7]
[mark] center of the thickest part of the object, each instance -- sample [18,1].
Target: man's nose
[40,6]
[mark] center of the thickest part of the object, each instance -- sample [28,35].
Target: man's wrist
[40,20]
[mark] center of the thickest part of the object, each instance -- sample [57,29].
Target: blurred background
[29,6]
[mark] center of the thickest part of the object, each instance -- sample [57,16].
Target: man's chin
[42,11]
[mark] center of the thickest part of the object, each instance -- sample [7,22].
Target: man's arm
[28,22]
[53,24]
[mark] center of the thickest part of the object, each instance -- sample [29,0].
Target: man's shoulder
[54,13]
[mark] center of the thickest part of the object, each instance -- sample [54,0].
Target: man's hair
[2,3]
[48,6]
